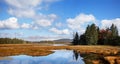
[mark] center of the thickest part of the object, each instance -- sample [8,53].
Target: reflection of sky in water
[59,57]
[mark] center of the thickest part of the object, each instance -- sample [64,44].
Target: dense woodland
[11,41]
[95,36]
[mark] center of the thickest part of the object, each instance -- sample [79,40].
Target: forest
[11,41]
[95,36]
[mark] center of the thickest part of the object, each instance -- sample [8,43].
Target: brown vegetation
[101,53]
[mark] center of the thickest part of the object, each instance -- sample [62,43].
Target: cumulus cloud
[23,3]
[52,17]
[39,38]
[28,9]
[23,8]
[28,13]
[80,21]
[25,25]
[64,31]
[45,20]
[10,23]
[107,23]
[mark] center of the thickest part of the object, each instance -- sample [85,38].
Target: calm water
[59,57]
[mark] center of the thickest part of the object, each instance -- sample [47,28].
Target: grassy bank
[91,54]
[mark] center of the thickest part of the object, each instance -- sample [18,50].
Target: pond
[58,57]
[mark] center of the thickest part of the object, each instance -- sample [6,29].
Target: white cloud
[64,31]
[50,37]
[80,22]
[25,25]
[23,8]
[10,23]
[107,23]
[28,9]
[52,17]
[30,26]
[28,13]
[38,38]
[45,20]
[28,4]
[24,3]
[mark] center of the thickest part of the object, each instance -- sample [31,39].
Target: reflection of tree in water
[75,55]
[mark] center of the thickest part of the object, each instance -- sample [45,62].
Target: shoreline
[91,54]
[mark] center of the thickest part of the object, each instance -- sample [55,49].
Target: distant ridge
[63,40]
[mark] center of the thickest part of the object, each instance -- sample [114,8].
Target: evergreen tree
[114,31]
[82,40]
[91,35]
[75,39]
[87,34]
[94,34]
[114,39]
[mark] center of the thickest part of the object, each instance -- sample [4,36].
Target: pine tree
[75,39]
[82,40]
[114,31]
[87,34]
[91,35]
[114,39]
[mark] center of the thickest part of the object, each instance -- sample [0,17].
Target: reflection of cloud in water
[61,54]
[44,63]
[59,57]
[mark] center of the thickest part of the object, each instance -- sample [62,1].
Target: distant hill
[63,40]
[59,41]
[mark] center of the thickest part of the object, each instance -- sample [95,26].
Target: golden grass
[40,50]
[36,49]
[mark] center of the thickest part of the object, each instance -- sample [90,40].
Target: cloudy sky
[55,19]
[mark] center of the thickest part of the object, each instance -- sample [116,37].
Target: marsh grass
[91,54]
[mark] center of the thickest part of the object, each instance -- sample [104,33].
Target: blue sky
[55,19]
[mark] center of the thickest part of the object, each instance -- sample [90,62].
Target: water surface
[59,57]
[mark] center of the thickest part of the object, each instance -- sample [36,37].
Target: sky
[36,20]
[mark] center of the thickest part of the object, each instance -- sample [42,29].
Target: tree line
[11,41]
[95,36]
